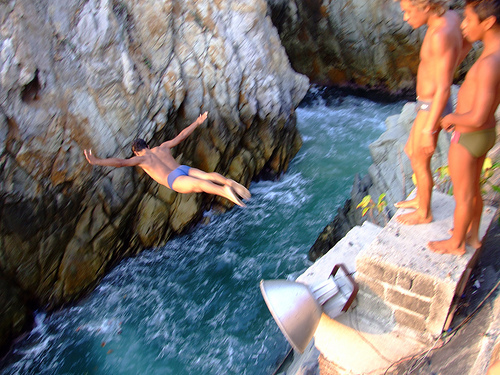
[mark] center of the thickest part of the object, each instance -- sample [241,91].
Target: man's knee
[421,160]
[462,195]
[216,177]
[408,152]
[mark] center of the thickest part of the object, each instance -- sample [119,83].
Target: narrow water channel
[194,306]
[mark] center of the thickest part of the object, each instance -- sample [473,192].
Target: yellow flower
[486,168]
[487,164]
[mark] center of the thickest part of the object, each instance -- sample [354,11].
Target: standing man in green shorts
[474,126]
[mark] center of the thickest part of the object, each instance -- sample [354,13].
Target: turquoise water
[194,306]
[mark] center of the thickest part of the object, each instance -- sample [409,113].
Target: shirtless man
[442,51]
[159,163]
[474,126]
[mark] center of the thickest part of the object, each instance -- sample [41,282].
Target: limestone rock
[354,43]
[152,220]
[14,312]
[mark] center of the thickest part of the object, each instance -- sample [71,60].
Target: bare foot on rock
[412,203]
[446,247]
[414,218]
[475,243]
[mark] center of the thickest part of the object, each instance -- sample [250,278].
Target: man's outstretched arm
[112,162]
[186,132]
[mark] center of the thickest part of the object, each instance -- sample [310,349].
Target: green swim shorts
[478,143]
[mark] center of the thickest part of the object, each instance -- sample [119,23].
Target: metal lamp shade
[294,309]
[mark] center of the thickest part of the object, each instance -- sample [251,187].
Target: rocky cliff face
[78,74]
[354,43]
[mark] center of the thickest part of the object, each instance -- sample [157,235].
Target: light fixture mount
[297,307]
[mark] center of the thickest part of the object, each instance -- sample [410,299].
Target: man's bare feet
[446,247]
[412,203]
[414,218]
[240,190]
[231,195]
[475,243]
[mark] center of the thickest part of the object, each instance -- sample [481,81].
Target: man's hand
[186,132]
[90,158]
[427,143]
[446,124]
[201,118]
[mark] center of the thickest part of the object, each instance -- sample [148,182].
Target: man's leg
[221,180]
[189,184]
[472,238]
[463,172]
[494,369]
[420,163]
[409,147]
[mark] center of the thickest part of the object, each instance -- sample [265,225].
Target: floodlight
[297,308]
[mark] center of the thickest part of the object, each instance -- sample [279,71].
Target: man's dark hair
[438,6]
[138,145]
[485,9]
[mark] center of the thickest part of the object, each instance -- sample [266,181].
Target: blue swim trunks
[183,170]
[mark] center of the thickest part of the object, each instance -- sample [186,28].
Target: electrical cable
[470,316]
[356,326]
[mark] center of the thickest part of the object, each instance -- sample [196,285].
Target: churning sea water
[194,306]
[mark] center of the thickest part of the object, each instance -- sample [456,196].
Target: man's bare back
[158,163]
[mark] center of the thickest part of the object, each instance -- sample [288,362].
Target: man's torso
[469,90]
[426,75]
[158,164]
